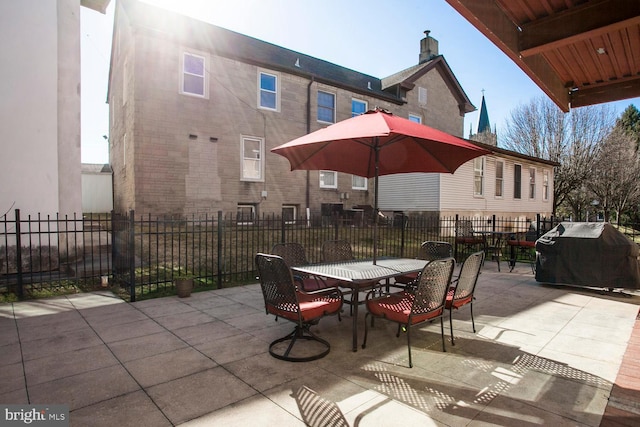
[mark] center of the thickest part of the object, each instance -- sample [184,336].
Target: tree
[616,173]
[629,121]
[541,129]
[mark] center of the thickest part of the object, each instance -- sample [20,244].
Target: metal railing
[143,255]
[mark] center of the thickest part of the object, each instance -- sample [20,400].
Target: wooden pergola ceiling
[579,52]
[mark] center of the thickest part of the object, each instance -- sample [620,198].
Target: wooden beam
[576,24]
[626,89]
[491,21]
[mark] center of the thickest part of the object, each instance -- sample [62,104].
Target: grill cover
[587,254]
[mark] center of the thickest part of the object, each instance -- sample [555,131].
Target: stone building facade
[195,110]
[178,149]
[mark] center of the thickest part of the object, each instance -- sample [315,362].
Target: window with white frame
[193,76]
[252,151]
[422,96]
[499,178]
[358,182]
[246,214]
[268,91]
[326,107]
[289,214]
[545,185]
[478,176]
[517,181]
[415,118]
[532,183]
[358,107]
[328,179]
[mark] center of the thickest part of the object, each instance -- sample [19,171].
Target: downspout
[307,189]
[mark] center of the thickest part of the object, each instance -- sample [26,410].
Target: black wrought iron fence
[144,254]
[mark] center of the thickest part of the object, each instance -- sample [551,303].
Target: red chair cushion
[397,307]
[450,303]
[311,307]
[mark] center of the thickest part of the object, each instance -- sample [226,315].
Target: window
[517,182]
[545,186]
[328,179]
[326,107]
[358,182]
[246,214]
[268,93]
[478,176]
[499,178]
[422,96]
[289,214]
[532,183]
[194,80]
[252,155]
[358,107]
[415,118]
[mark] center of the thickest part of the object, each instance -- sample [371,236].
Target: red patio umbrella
[378,143]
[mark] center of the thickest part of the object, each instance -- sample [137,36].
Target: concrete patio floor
[542,355]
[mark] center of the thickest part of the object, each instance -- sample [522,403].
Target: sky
[375,37]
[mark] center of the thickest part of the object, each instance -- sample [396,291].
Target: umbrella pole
[375,203]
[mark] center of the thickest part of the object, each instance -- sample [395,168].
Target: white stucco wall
[40,106]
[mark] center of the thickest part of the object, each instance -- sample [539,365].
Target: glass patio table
[353,274]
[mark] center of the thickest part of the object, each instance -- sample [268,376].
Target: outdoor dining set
[406,291]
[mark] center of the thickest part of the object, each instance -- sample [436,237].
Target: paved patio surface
[543,355]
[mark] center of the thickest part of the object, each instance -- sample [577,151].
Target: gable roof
[406,79]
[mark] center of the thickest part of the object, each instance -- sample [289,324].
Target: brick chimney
[428,48]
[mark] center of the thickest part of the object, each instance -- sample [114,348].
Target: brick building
[195,110]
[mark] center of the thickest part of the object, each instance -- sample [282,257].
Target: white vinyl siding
[420,192]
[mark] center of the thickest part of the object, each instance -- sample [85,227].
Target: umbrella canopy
[378,138]
[378,143]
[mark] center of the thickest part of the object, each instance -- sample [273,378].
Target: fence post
[132,257]
[402,235]
[19,255]
[455,238]
[220,249]
[282,230]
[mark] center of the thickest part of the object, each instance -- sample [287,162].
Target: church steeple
[484,134]
[483,122]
